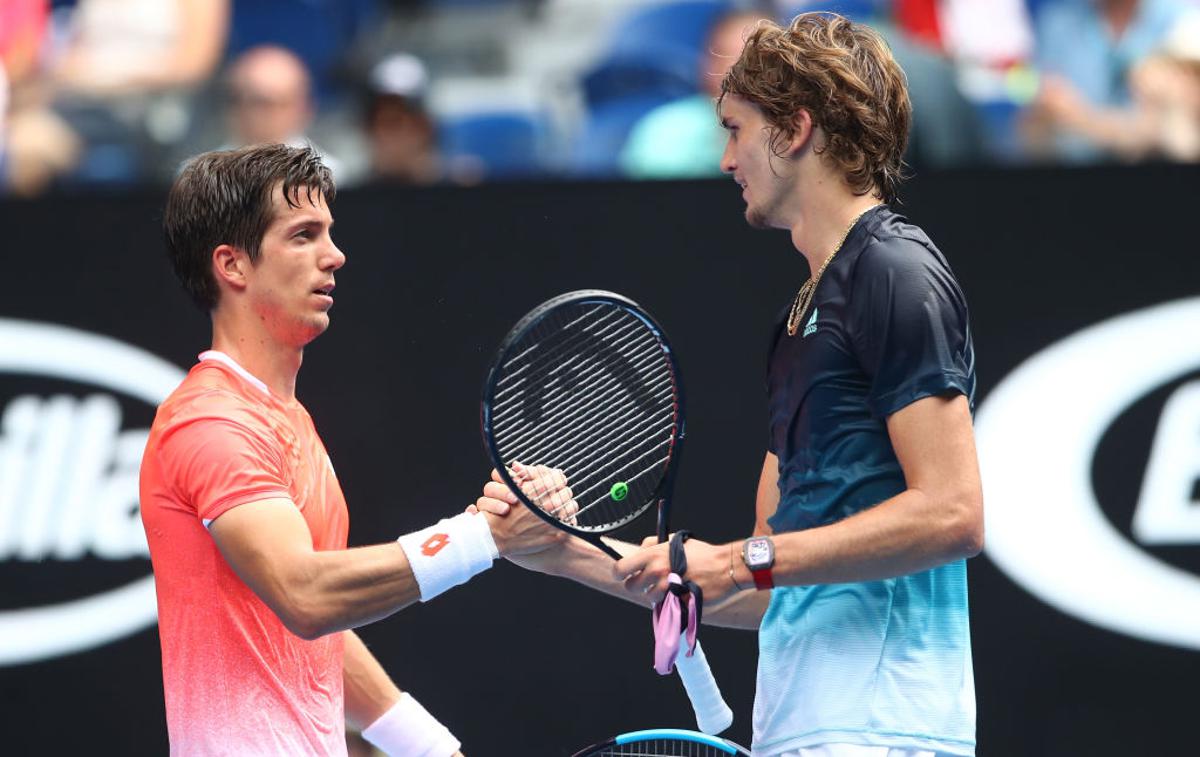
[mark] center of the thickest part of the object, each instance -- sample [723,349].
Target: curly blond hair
[844,75]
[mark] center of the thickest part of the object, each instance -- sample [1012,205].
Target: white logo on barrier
[69,482]
[1166,513]
[1037,435]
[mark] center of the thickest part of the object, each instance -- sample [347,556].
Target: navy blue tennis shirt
[888,326]
[879,663]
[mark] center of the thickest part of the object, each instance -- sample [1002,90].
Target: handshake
[517,530]
[639,574]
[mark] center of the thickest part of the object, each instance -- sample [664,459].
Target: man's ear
[230,266]
[803,131]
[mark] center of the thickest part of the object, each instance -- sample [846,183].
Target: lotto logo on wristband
[434,544]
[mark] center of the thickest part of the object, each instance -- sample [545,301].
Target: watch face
[759,553]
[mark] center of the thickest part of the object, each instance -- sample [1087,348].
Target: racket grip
[712,714]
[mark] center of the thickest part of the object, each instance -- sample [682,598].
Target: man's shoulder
[210,393]
[896,246]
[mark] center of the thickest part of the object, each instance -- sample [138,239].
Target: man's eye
[303,234]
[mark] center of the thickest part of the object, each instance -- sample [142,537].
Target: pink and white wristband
[408,730]
[449,552]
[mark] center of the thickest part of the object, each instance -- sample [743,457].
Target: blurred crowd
[114,93]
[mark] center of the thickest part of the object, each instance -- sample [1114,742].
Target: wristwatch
[758,552]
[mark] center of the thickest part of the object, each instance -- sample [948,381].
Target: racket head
[587,383]
[663,741]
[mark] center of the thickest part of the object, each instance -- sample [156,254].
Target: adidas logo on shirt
[811,326]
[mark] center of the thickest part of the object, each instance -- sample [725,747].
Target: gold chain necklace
[805,295]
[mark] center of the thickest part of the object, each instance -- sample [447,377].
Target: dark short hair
[844,75]
[224,197]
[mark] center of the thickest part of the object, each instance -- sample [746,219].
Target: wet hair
[225,197]
[845,76]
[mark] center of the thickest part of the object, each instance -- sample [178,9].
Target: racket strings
[621,454]
[557,336]
[627,459]
[590,391]
[606,497]
[567,395]
[596,443]
[625,447]
[598,389]
[632,366]
[566,326]
[531,444]
[662,748]
[552,341]
[566,364]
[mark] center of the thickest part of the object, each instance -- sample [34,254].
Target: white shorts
[856,750]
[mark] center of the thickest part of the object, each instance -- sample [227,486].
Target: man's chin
[757,219]
[314,328]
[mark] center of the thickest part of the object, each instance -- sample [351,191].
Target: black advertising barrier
[1085,617]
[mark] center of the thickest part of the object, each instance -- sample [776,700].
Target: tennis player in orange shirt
[245,518]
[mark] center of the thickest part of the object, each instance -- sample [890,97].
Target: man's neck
[824,220]
[275,364]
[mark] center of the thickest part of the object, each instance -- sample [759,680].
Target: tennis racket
[663,741]
[587,383]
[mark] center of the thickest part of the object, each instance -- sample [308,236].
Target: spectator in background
[1163,117]
[117,90]
[402,135]
[33,144]
[135,47]
[682,139]
[1086,53]
[946,128]
[1167,90]
[22,28]
[271,101]
[3,124]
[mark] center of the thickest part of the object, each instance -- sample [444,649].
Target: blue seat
[320,32]
[655,51]
[597,148]
[500,144]
[855,10]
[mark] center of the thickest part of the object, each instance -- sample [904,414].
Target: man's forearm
[369,691]
[343,589]
[389,719]
[906,534]
[585,564]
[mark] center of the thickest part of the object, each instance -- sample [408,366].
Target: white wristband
[408,730]
[449,552]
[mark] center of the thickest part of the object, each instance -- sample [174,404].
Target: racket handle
[712,714]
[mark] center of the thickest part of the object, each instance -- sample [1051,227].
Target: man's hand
[517,530]
[645,572]
[1061,102]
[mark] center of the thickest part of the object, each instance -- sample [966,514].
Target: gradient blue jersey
[888,662]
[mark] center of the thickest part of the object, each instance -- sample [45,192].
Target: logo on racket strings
[69,485]
[601,355]
[1072,513]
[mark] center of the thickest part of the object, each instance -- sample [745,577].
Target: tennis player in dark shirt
[869,499]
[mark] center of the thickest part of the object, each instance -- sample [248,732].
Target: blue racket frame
[665,734]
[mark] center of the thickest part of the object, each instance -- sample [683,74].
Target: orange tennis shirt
[236,681]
